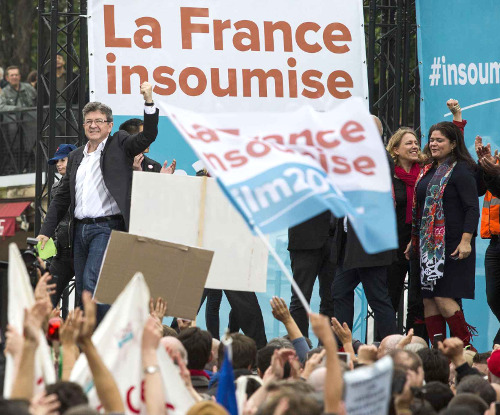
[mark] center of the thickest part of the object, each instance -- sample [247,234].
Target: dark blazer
[116,165]
[156,167]
[311,234]
[348,251]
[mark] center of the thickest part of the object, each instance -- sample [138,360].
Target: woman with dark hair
[445,219]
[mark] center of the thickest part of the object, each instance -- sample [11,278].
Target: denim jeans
[89,245]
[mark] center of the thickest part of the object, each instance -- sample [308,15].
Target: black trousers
[492,271]
[374,280]
[62,271]
[245,314]
[307,264]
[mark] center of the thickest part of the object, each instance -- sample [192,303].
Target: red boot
[435,325]
[461,329]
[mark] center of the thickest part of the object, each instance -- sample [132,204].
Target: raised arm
[105,384]
[137,143]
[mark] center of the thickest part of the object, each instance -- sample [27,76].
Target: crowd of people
[436,196]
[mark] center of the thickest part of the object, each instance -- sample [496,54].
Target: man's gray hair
[98,106]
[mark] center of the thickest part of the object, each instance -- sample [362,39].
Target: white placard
[368,389]
[194,211]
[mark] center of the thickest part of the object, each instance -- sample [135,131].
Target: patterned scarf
[428,231]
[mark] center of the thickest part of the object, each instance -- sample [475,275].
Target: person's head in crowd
[409,361]
[307,339]
[69,394]
[480,362]
[388,344]
[404,146]
[436,366]
[60,158]
[298,404]
[474,403]
[312,352]
[437,394]
[14,407]
[264,357]
[317,379]
[32,78]
[244,352]
[447,140]
[60,62]
[13,76]
[415,347]
[493,363]
[281,343]
[253,383]
[421,407]
[81,410]
[198,344]
[132,126]
[419,340]
[457,410]
[206,408]
[168,331]
[479,386]
[173,344]
[215,355]
[98,121]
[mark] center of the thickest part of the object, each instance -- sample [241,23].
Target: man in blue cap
[61,267]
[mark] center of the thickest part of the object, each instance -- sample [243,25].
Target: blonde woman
[404,148]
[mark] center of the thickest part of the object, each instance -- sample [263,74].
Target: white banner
[118,341]
[222,55]
[280,169]
[21,297]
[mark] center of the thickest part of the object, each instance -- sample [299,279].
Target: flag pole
[283,268]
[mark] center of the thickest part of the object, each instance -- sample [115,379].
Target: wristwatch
[151,370]
[149,104]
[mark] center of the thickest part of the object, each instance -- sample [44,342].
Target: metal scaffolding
[62,29]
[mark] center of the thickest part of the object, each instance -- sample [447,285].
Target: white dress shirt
[93,199]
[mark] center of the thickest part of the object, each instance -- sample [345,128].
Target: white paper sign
[21,297]
[368,389]
[118,341]
[193,211]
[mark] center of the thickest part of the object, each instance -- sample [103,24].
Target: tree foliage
[17,34]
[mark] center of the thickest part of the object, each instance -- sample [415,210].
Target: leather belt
[88,221]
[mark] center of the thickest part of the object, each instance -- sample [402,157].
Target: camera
[30,258]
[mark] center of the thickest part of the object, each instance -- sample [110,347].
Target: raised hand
[342,331]
[151,335]
[280,310]
[87,323]
[170,169]
[147,92]
[158,309]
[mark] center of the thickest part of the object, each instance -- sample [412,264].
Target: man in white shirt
[97,187]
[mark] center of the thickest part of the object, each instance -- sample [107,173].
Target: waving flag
[281,169]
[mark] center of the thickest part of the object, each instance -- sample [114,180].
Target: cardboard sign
[177,273]
[194,211]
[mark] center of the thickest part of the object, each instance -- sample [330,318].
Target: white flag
[118,341]
[21,297]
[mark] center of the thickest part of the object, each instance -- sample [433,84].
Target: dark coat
[156,167]
[116,165]
[311,234]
